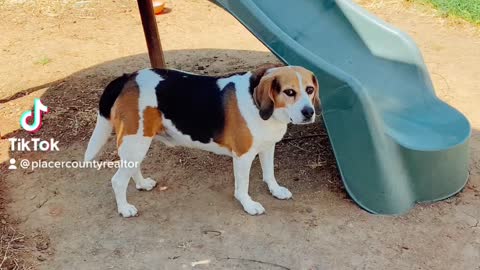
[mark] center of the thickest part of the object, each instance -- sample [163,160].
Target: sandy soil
[66,53]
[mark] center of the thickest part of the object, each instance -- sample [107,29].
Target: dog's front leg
[266,160]
[241,170]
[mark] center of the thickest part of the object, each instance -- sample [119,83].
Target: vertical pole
[152,37]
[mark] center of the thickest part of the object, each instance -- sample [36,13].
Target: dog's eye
[289,92]
[310,90]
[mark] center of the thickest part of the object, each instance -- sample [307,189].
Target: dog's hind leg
[143,183]
[152,125]
[132,150]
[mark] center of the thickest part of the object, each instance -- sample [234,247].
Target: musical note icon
[38,110]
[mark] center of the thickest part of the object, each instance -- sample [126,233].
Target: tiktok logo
[38,110]
[33,144]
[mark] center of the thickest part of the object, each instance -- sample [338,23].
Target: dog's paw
[127,210]
[253,208]
[146,184]
[281,193]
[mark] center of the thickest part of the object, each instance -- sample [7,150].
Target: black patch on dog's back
[194,103]
[110,94]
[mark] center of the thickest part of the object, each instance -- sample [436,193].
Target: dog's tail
[103,128]
[101,133]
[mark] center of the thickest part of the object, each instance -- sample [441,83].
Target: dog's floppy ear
[262,90]
[263,96]
[259,72]
[316,96]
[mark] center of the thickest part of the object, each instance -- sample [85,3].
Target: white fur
[299,78]
[174,137]
[143,183]
[146,80]
[265,134]
[101,133]
[222,82]
[133,149]
[241,171]
[267,162]
[263,131]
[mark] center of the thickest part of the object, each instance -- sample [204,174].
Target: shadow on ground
[71,213]
[75,208]
[73,103]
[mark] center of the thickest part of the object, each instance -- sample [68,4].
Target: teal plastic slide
[395,142]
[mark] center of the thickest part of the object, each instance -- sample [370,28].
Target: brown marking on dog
[279,102]
[236,135]
[314,80]
[124,114]
[268,94]
[309,79]
[273,80]
[316,96]
[152,122]
[264,95]
[260,71]
[288,78]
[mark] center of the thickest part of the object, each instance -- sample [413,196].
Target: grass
[466,9]
[43,61]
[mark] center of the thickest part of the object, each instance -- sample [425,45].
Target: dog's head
[287,93]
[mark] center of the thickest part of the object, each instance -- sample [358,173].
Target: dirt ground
[67,51]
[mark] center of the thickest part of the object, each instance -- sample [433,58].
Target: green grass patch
[43,61]
[466,9]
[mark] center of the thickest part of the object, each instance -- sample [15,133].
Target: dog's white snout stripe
[299,77]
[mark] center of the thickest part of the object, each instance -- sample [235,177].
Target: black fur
[194,103]
[254,81]
[111,93]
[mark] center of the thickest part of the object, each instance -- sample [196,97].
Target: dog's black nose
[308,112]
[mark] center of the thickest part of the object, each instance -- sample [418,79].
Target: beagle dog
[240,115]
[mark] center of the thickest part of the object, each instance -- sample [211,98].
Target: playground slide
[395,142]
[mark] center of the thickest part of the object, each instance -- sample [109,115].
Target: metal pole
[152,37]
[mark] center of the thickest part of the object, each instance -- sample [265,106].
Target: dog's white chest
[269,134]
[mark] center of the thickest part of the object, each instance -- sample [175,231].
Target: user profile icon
[12,164]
